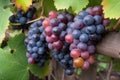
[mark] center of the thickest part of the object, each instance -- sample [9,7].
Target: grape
[83,38]
[34,55]
[62,26]
[88,20]
[86,65]
[85,55]
[62,35]
[12,18]
[78,24]
[90,29]
[23,20]
[30,14]
[100,29]
[69,72]
[90,10]
[48,31]
[76,34]
[91,59]
[58,45]
[54,22]
[106,22]
[91,49]
[76,41]
[69,38]
[37,48]
[56,31]
[97,10]
[98,19]
[53,14]
[54,37]
[72,46]
[75,53]
[82,14]
[82,46]
[62,18]
[31,60]
[22,17]
[72,40]
[78,62]
[46,23]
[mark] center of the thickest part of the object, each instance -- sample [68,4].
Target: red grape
[75,53]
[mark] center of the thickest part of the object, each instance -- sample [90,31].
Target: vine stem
[116,25]
[17,24]
[42,6]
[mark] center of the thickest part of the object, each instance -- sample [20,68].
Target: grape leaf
[77,5]
[93,3]
[40,71]
[111,8]
[14,66]
[4,15]
[23,4]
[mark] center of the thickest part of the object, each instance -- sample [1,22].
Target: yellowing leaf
[111,8]
[23,4]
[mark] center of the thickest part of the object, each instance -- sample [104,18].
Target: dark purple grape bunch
[22,17]
[55,30]
[83,34]
[37,47]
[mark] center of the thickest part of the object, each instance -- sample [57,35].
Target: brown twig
[63,75]
[53,76]
[109,71]
[42,7]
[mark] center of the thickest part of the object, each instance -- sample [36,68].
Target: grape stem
[109,70]
[17,24]
[116,25]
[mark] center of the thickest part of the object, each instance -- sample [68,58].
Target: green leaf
[111,8]
[102,66]
[23,4]
[48,6]
[40,71]
[116,64]
[112,24]
[15,66]
[76,5]
[4,15]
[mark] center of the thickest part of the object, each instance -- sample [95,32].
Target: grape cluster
[37,47]
[55,30]
[22,17]
[83,34]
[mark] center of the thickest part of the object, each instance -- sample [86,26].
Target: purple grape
[82,46]
[88,20]
[82,14]
[100,29]
[91,49]
[76,34]
[84,38]
[98,19]
[90,29]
